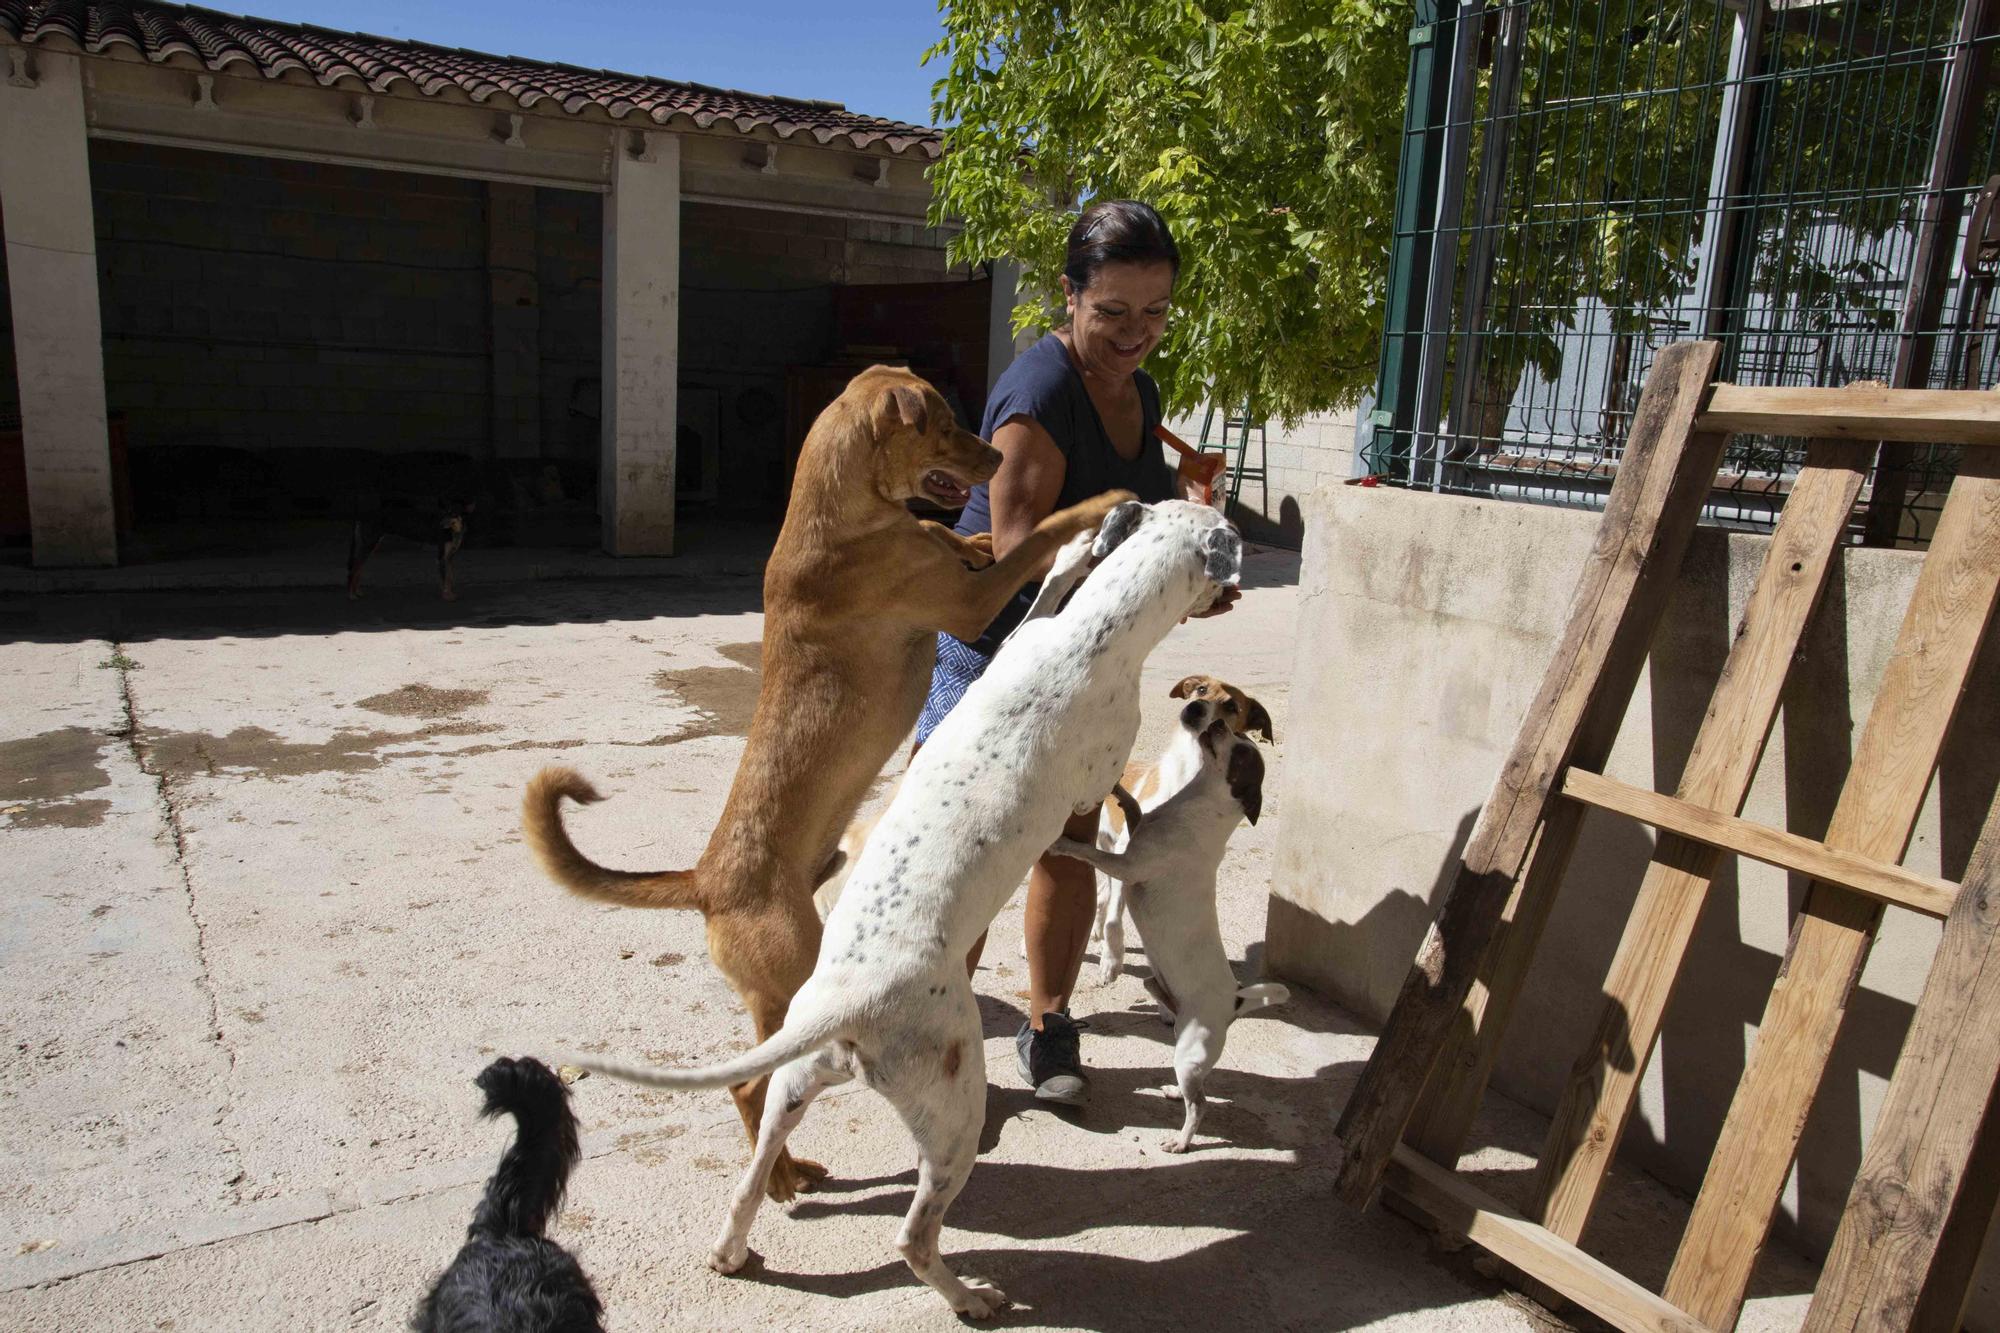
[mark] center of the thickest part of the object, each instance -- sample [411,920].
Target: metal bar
[1410,247]
[1436,346]
[1503,96]
[1930,263]
[1722,231]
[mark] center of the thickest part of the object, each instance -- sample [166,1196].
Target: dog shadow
[1293,1261]
[1247,1112]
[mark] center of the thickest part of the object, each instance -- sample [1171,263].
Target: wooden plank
[1648,518]
[1788,851]
[1717,773]
[1927,672]
[1857,412]
[1461,1208]
[1450,1099]
[1920,1154]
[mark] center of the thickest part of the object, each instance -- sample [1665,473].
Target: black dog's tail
[528,1187]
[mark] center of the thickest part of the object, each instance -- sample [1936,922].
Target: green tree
[1265,132]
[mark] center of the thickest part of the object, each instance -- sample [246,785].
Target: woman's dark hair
[1117,231]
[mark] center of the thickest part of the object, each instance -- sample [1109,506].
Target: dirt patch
[255,750]
[46,776]
[645,1146]
[726,697]
[422,701]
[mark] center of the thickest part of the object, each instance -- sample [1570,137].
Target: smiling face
[1116,322]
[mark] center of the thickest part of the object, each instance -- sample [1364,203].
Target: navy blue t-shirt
[1042,383]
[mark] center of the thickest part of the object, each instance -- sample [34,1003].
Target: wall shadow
[140,617]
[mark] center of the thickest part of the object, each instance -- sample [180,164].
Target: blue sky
[860,52]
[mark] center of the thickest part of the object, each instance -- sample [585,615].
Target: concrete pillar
[642,311]
[1000,347]
[515,320]
[58,333]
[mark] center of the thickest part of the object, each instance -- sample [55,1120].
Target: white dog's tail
[785,1045]
[1260,996]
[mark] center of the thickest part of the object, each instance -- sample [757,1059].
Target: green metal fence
[1586,180]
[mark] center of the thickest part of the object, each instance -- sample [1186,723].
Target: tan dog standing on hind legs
[1038,738]
[855,593]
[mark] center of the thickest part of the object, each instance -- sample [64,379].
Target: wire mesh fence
[1587,180]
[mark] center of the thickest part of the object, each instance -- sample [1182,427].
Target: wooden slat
[1450,1100]
[1603,1084]
[1648,518]
[1919,1155]
[1857,412]
[1461,1208]
[1927,672]
[1774,847]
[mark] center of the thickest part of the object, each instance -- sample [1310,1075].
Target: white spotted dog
[1041,737]
[1208,699]
[1169,875]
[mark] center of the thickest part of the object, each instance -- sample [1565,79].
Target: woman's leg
[1062,900]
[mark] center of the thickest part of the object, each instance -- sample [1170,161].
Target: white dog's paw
[1173,1143]
[729,1256]
[1108,969]
[982,1300]
[1171,1091]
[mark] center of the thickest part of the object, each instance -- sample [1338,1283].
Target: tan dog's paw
[979,553]
[982,1300]
[792,1176]
[974,552]
[1088,514]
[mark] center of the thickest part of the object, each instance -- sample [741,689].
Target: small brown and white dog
[1209,699]
[1169,876]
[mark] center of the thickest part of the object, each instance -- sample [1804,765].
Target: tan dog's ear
[1185,686]
[1246,779]
[1260,721]
[905,402]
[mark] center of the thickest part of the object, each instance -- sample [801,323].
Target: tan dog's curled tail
[782,1047]
[541,821]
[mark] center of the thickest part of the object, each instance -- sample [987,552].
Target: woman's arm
[1023,492]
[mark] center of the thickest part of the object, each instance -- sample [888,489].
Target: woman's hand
[1226,599]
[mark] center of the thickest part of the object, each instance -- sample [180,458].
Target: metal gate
[1583,181]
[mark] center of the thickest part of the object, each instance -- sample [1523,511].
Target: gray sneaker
[1050,1062]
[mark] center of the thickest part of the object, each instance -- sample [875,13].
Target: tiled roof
[190,37]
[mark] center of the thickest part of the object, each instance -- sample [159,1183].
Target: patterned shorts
[957,667]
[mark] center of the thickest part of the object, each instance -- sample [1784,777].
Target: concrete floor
[269,914]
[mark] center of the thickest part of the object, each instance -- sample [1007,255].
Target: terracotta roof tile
[161,32]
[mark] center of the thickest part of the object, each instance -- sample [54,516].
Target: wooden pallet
[1906,1245]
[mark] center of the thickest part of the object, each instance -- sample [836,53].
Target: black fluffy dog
[509,1278]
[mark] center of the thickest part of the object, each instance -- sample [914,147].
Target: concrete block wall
[266,304]
[10,388]
[1299,459]
[1425,624]
[569,254]
[757,298]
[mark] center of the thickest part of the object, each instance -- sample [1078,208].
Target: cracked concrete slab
[326,841]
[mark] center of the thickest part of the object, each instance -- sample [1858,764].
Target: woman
[1073,417]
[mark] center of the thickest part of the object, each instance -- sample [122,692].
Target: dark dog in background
[508,1277]
[431,497]
[442,527]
